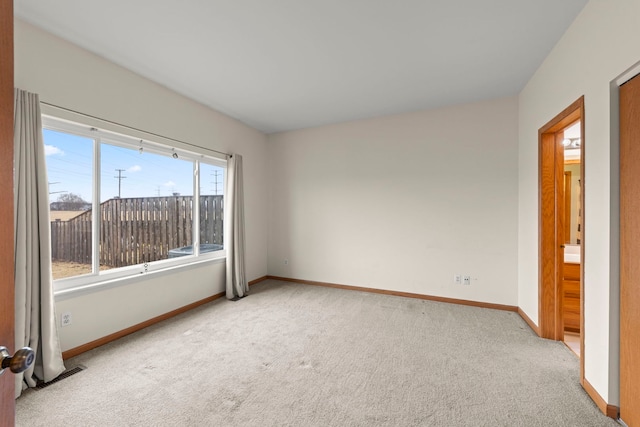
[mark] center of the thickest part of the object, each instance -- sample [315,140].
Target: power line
[55,192]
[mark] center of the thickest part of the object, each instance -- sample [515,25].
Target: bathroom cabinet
[571,297]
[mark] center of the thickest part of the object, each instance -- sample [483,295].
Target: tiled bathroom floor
[572,340]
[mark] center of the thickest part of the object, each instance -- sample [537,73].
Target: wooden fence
[137,230]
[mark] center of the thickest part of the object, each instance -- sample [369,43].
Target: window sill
[102,283]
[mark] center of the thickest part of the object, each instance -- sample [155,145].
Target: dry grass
[62,269]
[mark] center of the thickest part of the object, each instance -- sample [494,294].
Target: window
[122,206]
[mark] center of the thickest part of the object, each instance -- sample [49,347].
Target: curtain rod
[134,128]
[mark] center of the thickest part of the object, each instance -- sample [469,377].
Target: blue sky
[69,167]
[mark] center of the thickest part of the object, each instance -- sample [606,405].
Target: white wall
[401,202]
[600,45]
[65,75]
[97,314]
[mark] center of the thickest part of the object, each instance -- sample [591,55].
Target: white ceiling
[288,64]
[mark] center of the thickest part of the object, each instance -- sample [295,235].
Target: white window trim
[93,286]
[133,273]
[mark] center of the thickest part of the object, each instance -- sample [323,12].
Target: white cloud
[50,150]
[135,168]
[169,184]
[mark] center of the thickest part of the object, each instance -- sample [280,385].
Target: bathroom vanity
[571,297]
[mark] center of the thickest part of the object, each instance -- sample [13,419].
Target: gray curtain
[237,286]
[35,314]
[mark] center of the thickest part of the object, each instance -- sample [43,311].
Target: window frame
[99,278]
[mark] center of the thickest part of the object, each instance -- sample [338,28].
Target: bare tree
[70,202]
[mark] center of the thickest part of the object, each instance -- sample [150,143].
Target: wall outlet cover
[65,319]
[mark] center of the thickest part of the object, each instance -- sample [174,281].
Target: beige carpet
[299,355]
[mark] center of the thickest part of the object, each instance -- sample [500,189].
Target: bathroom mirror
[572,187]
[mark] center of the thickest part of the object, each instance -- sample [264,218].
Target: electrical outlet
[286,262]
[457,279]
[65,319]
[467,280]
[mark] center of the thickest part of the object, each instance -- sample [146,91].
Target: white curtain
[34,303]
[237,286]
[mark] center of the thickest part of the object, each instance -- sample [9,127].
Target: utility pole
[216,174]
[120,178]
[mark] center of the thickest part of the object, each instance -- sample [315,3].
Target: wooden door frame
[7,320]
[627,157]
[550,224]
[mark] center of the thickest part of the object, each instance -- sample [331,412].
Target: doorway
[572,225]
[560,287]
